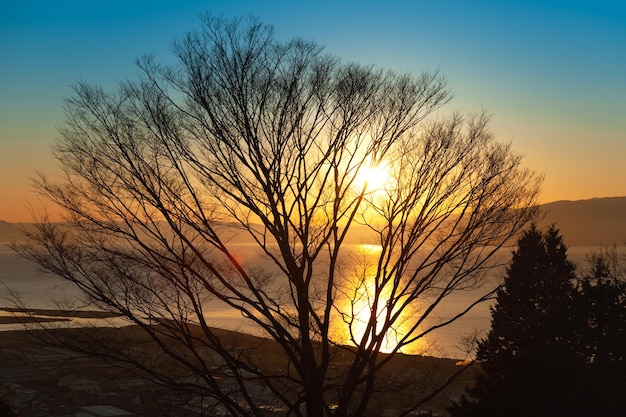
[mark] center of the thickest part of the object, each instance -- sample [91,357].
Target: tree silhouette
[530,364]
[602,336]
[6,409]
[249,136]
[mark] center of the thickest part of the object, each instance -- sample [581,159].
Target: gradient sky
[552,73]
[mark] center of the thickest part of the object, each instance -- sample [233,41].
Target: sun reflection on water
[357,305]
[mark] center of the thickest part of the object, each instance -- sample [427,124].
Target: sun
[373,178]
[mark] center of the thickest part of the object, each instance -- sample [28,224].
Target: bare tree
[250,136]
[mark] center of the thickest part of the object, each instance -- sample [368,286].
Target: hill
[415,374]
[11,232]
[595,222]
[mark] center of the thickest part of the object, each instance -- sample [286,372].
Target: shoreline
[16,319]
[17,315]
[8,320]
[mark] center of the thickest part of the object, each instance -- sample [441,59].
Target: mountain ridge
[588,222]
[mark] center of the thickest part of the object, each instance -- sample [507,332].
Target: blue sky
[552,73]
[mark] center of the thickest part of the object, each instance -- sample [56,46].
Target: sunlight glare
[370,249]
[356,307]
[374,178]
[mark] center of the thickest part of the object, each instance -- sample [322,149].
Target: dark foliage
[530,361]
[602,336]
[6,409]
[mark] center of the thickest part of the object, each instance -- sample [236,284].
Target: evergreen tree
[529,364]
[602,338]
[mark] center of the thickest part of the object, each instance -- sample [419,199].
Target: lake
[40,290]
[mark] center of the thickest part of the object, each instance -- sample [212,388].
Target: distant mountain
[11,232]
[595,222]
[599,221]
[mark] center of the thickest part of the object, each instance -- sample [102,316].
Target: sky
[551,73]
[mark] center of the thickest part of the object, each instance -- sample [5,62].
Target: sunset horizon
[547,73]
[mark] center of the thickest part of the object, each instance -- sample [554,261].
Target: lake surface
[40,290]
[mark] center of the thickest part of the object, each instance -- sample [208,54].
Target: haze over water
[41,290]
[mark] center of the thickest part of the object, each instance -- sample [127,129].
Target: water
[25,278]
[40,290]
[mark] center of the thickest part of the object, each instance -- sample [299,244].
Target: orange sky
[550,72]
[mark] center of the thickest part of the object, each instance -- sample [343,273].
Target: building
[102,411]
[78,384]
